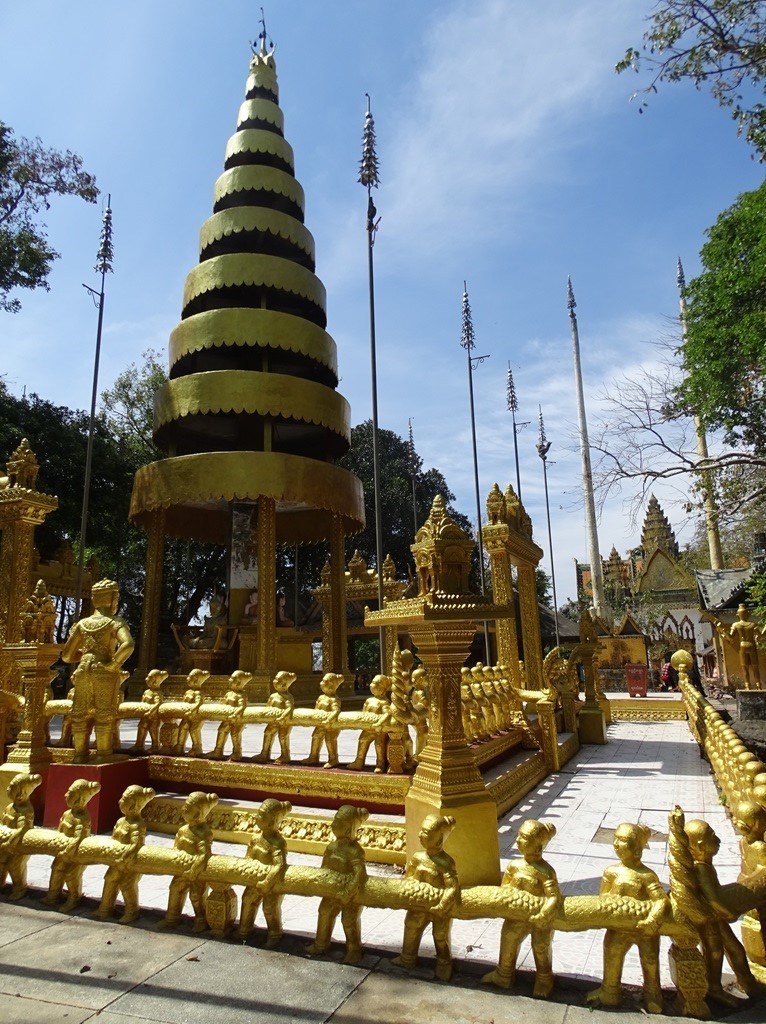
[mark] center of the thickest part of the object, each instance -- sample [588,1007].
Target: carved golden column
[548,735]
[30,752]
[442,622]
[150,615]
[21,510]
[591,722]
[530,627]
[495,540]
[336,651]
[447,780]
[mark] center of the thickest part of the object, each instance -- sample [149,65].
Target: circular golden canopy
[194,492]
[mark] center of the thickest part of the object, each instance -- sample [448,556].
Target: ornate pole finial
[105,253]
[368,167]
[467,337]
[571,304]
[262,48]
[513,402]
[680,276]
[543,445]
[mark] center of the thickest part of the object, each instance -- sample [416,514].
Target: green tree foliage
[398,464]
[59,436]
[724,355]
[715,44]
[192,571]
[30,175]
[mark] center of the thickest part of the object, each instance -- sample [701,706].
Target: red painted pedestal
[104,807]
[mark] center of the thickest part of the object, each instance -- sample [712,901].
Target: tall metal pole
[709,504]
[467,340]
[513,408]
[596,572]
[103,266]
[543,447]
[368,176]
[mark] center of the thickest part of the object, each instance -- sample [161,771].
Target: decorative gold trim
[384,842]
[262,328]
[644,709]
[334,785]
[258,140]
[239,268]
[255,218]
[262,110]
[272,179]
[249,391]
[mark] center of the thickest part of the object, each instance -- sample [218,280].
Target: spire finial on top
[513,402]
[368,168]
[680,276]
[543,445]
[262,48]
[105,253]
[571,304]
[467,338]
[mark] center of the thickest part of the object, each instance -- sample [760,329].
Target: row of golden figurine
[738,771]
[632,906]
[395,704]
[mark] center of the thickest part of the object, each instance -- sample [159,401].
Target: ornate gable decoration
[442,553]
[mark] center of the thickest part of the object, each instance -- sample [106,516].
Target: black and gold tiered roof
[251,408]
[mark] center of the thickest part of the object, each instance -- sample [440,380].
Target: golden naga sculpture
[148,712]
[714,919]
[435,890]
[344,856]
[75,824]
[101,643]
[377,705]
[268,848]
[16,821]
[534,876]
[283,702]
[234,723]
[327,733]
[194,841]
[633,907]
[632,878]
[128,835]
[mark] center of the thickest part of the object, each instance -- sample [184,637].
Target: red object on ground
[105,806]
[636,676]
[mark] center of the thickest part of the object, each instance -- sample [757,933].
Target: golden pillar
[495,538]
[150,615]
[530,627]
[30,752]
[442,622]
[21,510]
[591,722]
[447,780]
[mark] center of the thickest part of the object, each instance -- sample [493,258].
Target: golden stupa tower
[251,412]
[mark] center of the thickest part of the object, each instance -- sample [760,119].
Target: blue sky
[510,157]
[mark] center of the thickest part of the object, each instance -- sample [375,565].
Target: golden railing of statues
[741,778]
[174,726]
[632,905]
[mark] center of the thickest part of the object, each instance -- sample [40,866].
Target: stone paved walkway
[56,967]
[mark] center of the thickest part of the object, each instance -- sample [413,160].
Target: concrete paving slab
[17,920]
[86,963]
[398,999]
[234,984]
[18,1010]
